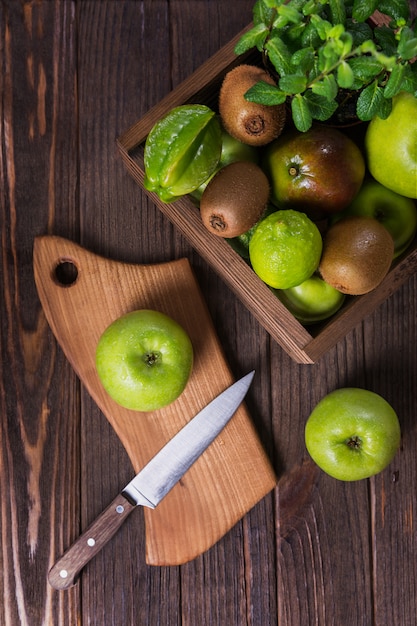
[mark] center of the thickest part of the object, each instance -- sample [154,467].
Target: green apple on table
[391,146]
[144,360]
[312,301]
[352,434]
[396,212]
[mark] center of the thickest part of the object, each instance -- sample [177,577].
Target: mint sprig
[317,49]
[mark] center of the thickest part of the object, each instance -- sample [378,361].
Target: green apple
[352,434]
[318,172]
[144,360]
[391,146]
[397,213]
[312,301]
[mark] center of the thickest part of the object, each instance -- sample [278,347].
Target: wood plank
[40,444]
[74,76]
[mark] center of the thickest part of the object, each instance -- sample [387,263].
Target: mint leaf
[337,11]
[345,75]
[293,83]
[395,8]
[407,46]
[363,9]
[410,79]
[279,55]
[253,38]
[371,102]
[365,68]
[326,87]
[394,83]
[262,14]
[301,113]
[303,59]
[320,108]
[360,31]
[386,39]
[264,93]
[290,14]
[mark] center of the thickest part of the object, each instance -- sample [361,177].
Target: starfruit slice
[182,150]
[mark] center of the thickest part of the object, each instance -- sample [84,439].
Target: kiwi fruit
[357,254]
[251,123]
[234,199]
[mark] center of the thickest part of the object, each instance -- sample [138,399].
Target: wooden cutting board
[81,294]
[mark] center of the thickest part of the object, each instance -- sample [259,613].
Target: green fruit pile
[319,215]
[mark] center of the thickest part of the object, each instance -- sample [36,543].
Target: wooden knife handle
[64,573]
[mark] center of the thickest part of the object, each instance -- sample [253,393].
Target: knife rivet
[63,573]
[91,542]
[120,508]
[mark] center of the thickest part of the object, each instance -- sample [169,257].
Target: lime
[285,249]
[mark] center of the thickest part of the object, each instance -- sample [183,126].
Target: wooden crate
[303,344]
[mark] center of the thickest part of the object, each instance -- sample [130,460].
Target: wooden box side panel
[302,344]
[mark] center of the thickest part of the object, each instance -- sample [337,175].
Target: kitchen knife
[153,482]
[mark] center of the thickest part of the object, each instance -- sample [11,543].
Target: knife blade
[153,482]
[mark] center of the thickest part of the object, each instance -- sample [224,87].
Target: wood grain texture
[82,294]
[314,552]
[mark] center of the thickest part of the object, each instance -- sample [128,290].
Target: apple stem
[354,442]
[151,358]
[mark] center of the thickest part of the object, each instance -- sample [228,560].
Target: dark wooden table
[74,76]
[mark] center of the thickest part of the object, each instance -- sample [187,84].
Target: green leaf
[365,68]
[293,83]
[395,8]
[371,102]
[279,55]
[310,36]
[309,7]
[264,93]
[253,38]
[386,38]
[337,11]
[326,87]
[320,108]
[290,14]
[328,58]
[322,26]
[360,31]
[345,75]
[303,59]
[394,83]
[363,9]
[301,115]
[410,79]
[262,14]
[407,46]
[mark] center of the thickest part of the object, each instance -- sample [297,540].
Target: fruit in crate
[319,171]
[391,146]
[144,360]
[285,249]
[357,254]
[352,434]
[251,123]
[234,199]
[181,151]
[311,301]
[397,213]
[232,150]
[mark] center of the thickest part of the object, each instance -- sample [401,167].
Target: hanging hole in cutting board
[65,273]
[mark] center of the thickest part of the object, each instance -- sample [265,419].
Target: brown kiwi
[251,123]
[235,199]
[357,254]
